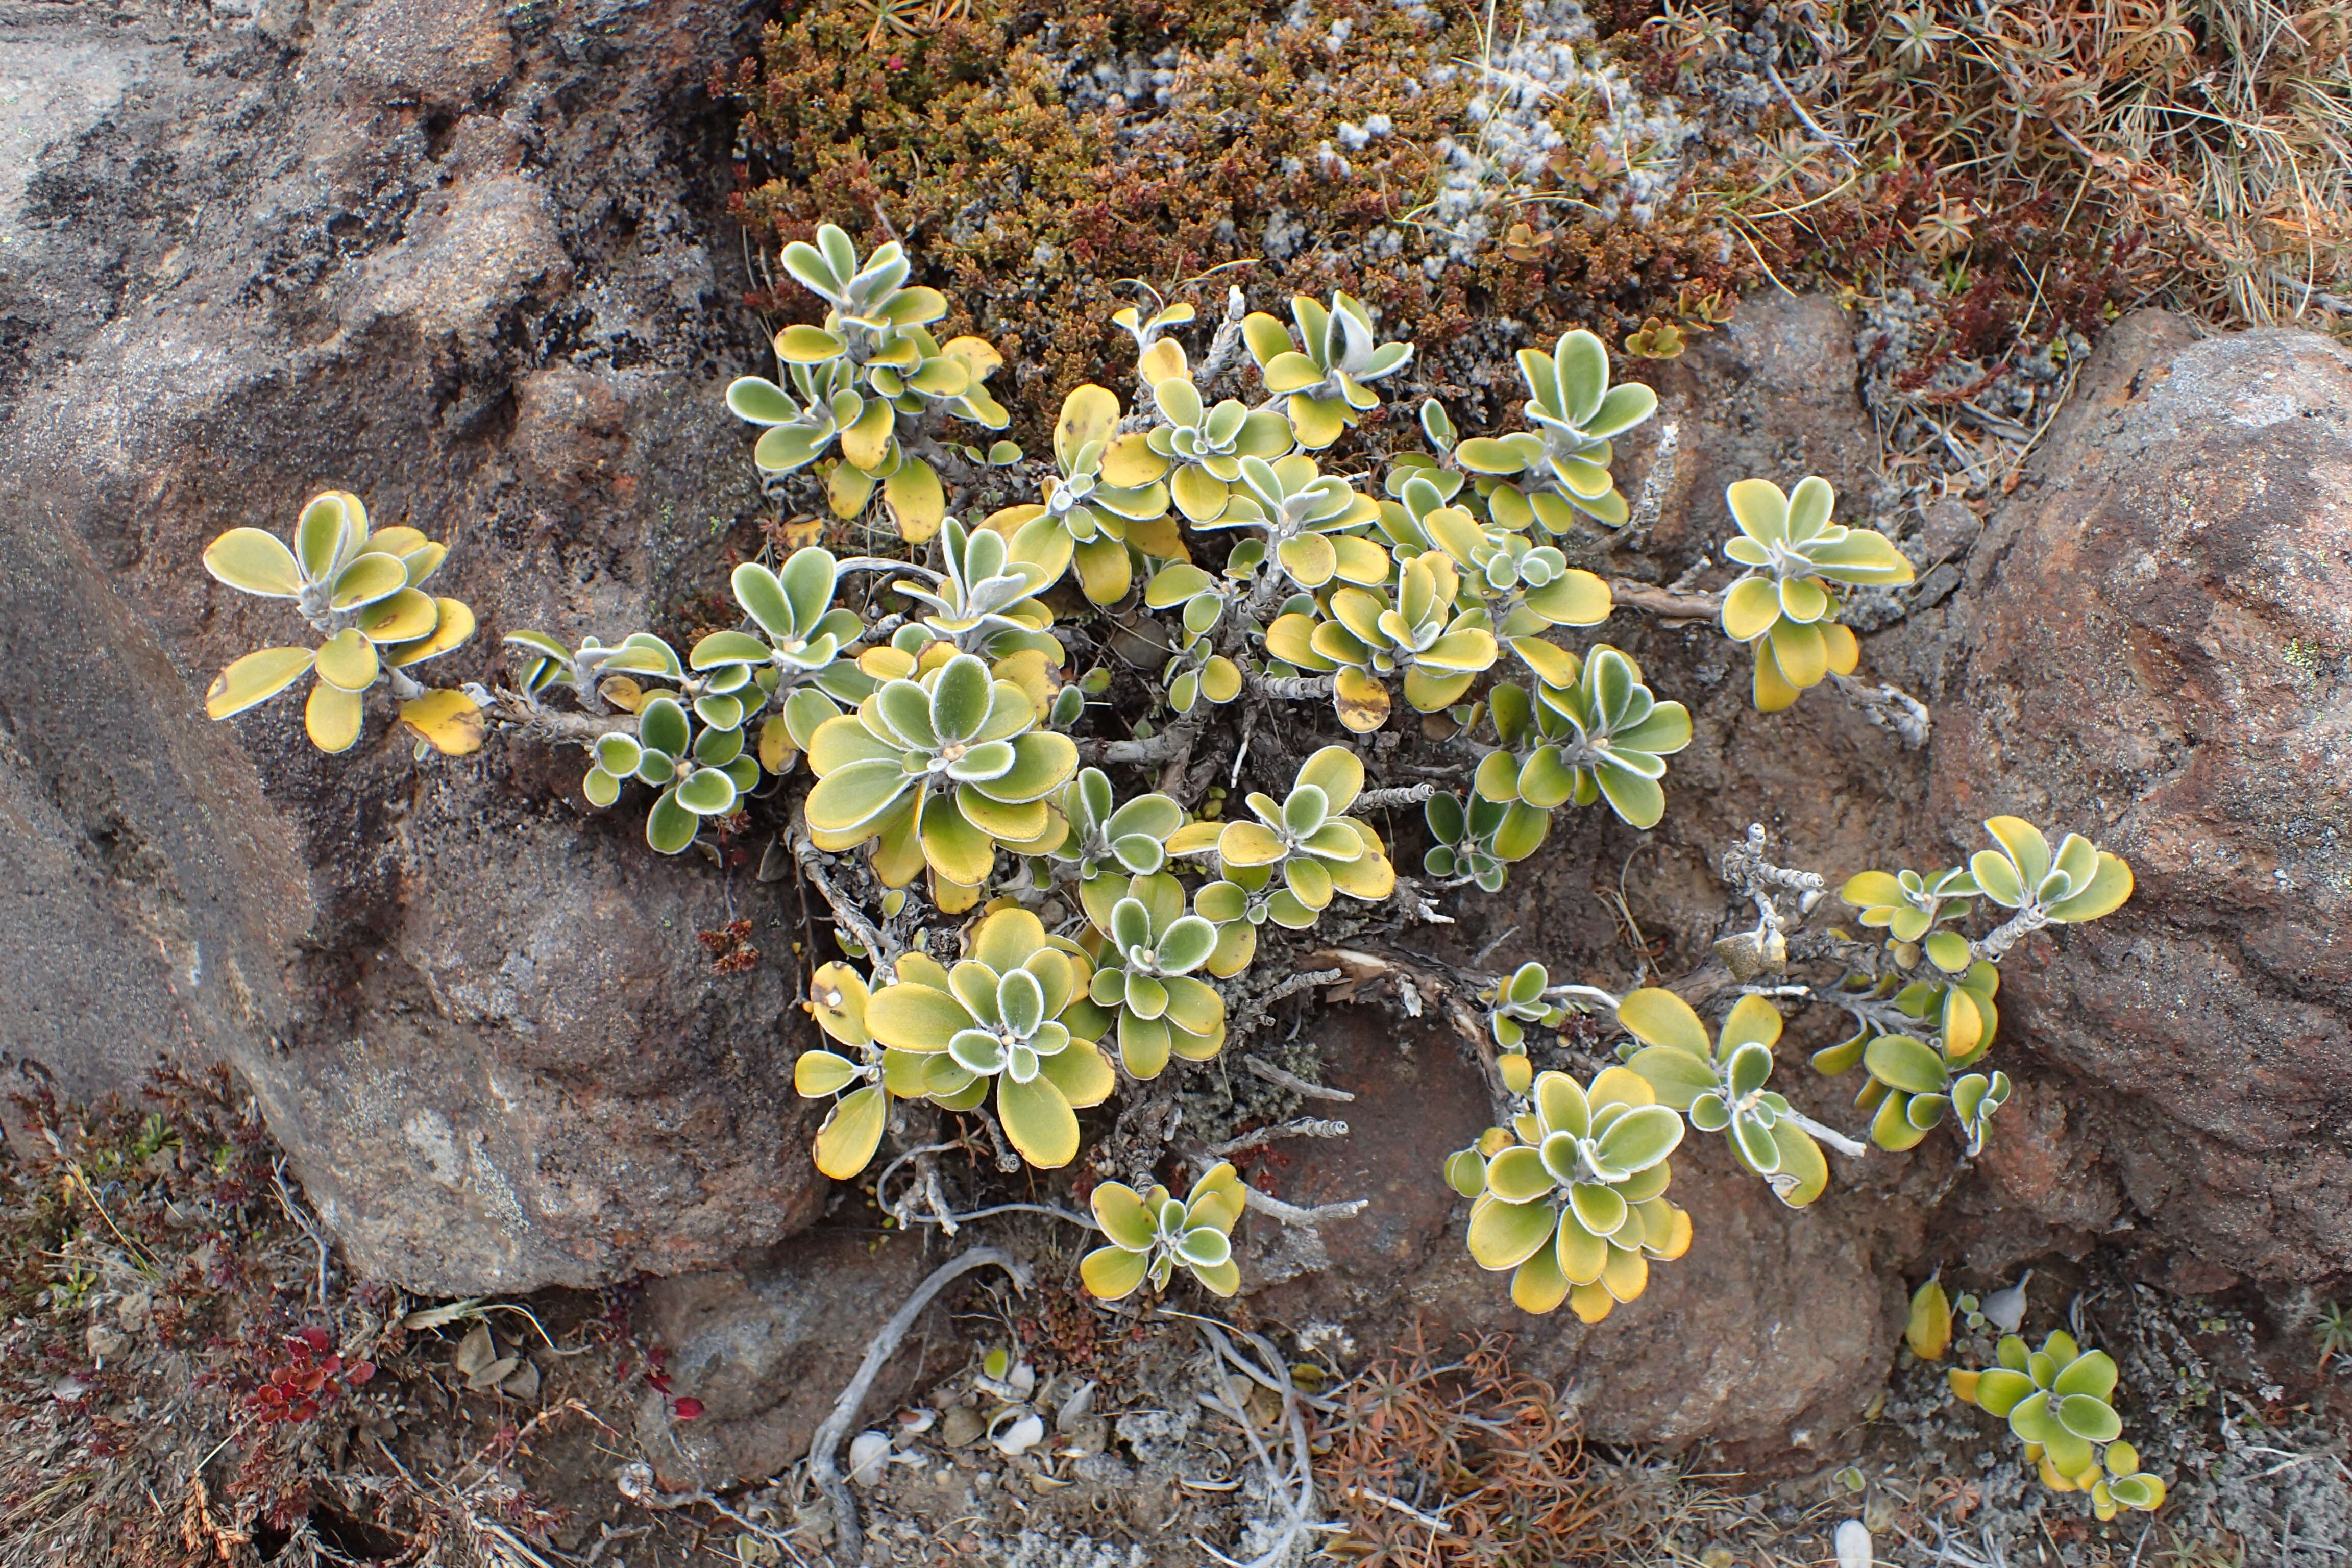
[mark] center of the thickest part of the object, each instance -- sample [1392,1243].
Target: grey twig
[1398,795]
[1890,707]
[824,1447]
[1293,1083]
[535,721]
[1174,741]
[844,909]
[1667,603]
[1291,687]
[1291,1213]
[1224,348]
[1305,1127]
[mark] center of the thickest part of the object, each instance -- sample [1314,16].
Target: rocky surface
[468,261]
[2157,640]
[769,1343]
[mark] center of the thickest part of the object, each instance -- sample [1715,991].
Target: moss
[1032,212]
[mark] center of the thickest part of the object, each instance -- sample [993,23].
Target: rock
[1775,1321]
[768,1345]
[2157,645]
[455,257]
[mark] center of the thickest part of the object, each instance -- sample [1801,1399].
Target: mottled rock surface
[2158,643]
[465,260]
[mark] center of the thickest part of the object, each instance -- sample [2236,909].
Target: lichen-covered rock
[2158,651]
[452,256]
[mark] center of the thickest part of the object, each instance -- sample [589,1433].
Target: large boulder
[2156,637]
[470,261]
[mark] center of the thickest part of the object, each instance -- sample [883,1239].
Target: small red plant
[310,1377]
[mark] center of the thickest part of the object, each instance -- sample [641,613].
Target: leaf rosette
[1721,1085]
[363,591]
[2058,1400]
[999,1018]
[1148,1236]
[1574,1201]
[1785,606]
[1143,988]
[939,772]
[1551,475]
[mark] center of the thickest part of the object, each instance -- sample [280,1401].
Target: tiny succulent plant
[1592,732]
[1309,519]
[1512,1005]
[362,591]
[997,1018]
[1306,839]
[1327,375]
[2079,882]
[864,380]
[1721,1085]
[1143,989]
[1371,636]
[1204,445]
[1149,1234]
[2058,1401]
[1107,494]
[1906,905]
[1571,1196]
[862,1084]
[1785,606]
[1110,841]
[1549,476]
[1474,837]
[939,772]
[699,776]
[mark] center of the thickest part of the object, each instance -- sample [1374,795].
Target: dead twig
[824,1447]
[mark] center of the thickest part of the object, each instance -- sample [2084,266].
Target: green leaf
[1639,801]
[348,662]
[1504,1235]
[1518,1176]
[1901,1062]
[760,402]
[1641,1137]
[1999,1390]
[855,795]
[1659,1018]
[845,1143]
[960,700]
[1949,951]
[662,726]
[709,793]
[1038,1121]
[1112,1273]
[601,788]
[1997,877]
[1676,1075]
[2093,1372]
[2025,846]
[2109,887]
[322,535]
[670,827]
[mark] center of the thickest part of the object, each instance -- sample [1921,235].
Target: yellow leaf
[332,717]
[448,721]
[1089,413]
[1929,1330]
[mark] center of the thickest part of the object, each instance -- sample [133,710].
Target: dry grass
[2199,150]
